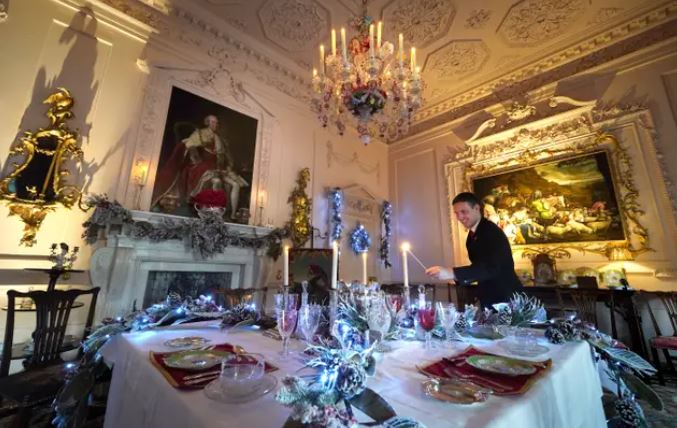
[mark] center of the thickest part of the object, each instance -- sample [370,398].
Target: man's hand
[439,272]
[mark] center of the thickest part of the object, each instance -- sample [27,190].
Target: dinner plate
[522,350]
[454,391]
[195,359]
[186,342]
[501,365]
[215,392]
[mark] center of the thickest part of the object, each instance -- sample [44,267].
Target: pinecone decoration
[461,324]
[629,412]
[568,329]
[554,335]
[352,380]
[504,316]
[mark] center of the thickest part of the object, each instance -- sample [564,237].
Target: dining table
[569,395]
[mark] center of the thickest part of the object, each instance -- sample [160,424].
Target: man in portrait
[197,170]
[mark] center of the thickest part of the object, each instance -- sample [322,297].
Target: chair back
[52,310]
[669,300]
[585,302]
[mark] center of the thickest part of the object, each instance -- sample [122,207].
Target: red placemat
[177,377]
[501,384]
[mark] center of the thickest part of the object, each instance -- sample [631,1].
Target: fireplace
[138,271]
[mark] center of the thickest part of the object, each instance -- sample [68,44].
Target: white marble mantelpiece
[121,265]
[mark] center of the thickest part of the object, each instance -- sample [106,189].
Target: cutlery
[200,375]
[201,380]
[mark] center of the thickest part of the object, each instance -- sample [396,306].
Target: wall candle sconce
[261,202]
[139,176]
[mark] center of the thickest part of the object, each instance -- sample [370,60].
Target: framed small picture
[544,270]
[314,266]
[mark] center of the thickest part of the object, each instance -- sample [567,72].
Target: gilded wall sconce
[40,165]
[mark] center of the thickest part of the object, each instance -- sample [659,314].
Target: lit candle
[364,268]
[417,71]
[334,264]
[285,261]
[333,42]
[262,197]
[401,48]
[405,273]
[344,46]
[314,72]
[371,39]
[379,29]
[413,59]
[322,59]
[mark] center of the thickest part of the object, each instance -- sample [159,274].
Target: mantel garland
[336,205]
[206,235]
[386,233]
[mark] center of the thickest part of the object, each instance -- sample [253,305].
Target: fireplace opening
[192,284]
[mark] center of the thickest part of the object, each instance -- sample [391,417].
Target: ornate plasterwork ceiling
[468,50]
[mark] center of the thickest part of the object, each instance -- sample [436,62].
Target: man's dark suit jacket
[491,265]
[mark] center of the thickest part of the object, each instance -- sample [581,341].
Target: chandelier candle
[344,46]
[333,42]
[405,273]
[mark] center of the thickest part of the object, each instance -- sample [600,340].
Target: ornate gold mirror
[40,165]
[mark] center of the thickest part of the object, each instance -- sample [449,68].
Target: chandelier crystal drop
[368,84]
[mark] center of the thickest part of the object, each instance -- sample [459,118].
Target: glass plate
[187,342]
[215,392]
[501,365]
[195,359]
[524,351]
[454,392]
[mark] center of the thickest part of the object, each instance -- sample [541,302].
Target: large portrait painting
[314,266]
[206,159]
[570,200]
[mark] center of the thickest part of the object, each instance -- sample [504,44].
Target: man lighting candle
[491,262]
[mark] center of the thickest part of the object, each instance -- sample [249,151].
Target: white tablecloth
[569,396]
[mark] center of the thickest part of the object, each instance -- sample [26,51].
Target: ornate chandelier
[367,84]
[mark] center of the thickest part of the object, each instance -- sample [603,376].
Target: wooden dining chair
[585,304]
[665,343]
[43,370]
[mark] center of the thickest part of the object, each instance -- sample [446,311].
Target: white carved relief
[293,24]
[3,12]
[345,160]
[147,13]
[422,21]
[478,19]
[605,14]
[456,58]
[533,21]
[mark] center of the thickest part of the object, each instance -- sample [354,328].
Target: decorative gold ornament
[38,181]
[299,226]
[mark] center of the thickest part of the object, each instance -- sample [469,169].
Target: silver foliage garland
[336,205]
[359,239]
[386,233]
[206,235]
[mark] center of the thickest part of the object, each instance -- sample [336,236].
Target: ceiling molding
[631,37]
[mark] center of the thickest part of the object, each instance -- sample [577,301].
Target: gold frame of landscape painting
[580,197]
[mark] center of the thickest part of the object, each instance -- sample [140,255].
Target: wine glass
[448,315]
[286,322]
[286,301]
[378,319]
[309,320]
[426,319]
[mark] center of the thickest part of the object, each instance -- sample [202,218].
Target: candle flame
[406,247]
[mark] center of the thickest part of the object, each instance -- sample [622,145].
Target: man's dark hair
[468,197]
